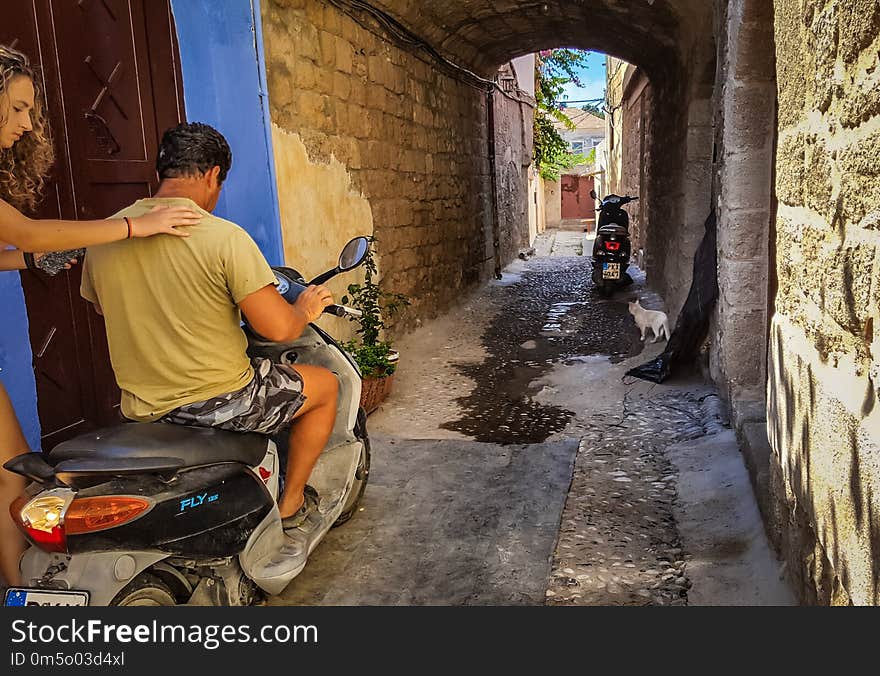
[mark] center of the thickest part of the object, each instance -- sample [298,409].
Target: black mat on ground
[693,320]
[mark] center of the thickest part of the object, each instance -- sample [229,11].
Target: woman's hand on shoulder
[164,221]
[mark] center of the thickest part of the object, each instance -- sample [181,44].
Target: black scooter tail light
[612,246]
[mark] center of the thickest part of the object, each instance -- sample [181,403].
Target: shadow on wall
[829,528]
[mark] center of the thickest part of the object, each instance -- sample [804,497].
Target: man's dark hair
[192,149]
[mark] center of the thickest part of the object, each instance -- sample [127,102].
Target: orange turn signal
[86,515]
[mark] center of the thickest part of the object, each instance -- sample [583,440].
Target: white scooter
[161,515]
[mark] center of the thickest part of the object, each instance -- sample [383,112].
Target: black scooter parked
[611,248]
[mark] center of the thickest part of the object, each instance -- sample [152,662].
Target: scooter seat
[613,229]
[192,445]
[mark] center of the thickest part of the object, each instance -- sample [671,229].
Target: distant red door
[576,200]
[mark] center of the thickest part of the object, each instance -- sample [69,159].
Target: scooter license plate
[610,270]
[23,596]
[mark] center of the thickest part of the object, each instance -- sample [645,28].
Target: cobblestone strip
[618,541]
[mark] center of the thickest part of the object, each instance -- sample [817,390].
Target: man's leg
[312,425]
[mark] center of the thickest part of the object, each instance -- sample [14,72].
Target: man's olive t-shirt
[170,306]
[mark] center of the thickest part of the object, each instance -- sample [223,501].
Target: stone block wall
[824,369]
[745,110]
[636,106]
[408,139]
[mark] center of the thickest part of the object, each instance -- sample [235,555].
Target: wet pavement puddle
[548,316]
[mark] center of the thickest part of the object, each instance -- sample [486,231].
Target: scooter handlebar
[342,311]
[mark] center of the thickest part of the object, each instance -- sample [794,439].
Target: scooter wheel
[362,475]
[145,590]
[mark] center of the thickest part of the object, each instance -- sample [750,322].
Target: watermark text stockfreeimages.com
[210,636]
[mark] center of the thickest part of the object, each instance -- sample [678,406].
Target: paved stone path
[515,464]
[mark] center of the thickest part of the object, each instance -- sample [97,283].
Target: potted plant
[375,357]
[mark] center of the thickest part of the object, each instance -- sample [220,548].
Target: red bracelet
[128,223]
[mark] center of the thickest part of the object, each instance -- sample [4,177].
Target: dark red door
[113,85]
[576,200]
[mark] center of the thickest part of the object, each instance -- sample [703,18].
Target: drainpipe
[496,226]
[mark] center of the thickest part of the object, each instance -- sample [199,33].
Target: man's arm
[275,319]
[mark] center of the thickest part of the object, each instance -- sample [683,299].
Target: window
[577,146]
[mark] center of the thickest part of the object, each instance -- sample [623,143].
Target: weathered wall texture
[514,141]
[537,204]
[615,72]
[408,138]
[630,95]
[824,422]
[316,224]
[553,203]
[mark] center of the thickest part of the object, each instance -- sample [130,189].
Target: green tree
[554,68]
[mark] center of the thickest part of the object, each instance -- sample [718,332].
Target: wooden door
[576,200]
[113,85]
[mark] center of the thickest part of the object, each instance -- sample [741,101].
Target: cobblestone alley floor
[659,510]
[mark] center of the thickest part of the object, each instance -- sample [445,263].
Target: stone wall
[635,109]
[406,146]
[537,205]
[745,105]
[824,370]
[514,142]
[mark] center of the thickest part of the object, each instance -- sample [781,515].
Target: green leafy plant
[554,68]
[375,357]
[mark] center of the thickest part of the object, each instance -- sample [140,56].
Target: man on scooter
[172,307]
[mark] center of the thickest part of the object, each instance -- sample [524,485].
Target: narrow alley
[514,464]
[478,189]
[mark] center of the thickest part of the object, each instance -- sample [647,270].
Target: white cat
[657,321]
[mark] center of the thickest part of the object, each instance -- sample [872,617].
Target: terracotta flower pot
[375,389]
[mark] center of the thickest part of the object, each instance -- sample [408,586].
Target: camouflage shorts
[264,405]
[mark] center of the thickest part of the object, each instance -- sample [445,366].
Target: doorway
[111,73]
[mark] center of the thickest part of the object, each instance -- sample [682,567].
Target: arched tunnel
[758,110]
[671,41]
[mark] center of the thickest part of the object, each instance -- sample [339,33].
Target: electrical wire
[409,40]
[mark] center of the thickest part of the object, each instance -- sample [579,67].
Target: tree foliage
[554,69]
[595,109]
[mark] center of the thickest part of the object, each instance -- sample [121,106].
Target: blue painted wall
[224,81]
[16,370]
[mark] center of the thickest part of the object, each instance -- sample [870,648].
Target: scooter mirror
[354,253]
[593,194]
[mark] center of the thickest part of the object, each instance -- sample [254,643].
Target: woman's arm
[12,259]
[30,234]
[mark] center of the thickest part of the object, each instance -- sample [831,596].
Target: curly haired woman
[25,159]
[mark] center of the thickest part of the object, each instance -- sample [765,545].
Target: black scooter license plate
[610,270]
[24,596]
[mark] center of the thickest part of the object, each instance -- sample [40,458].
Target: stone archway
[425,43]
